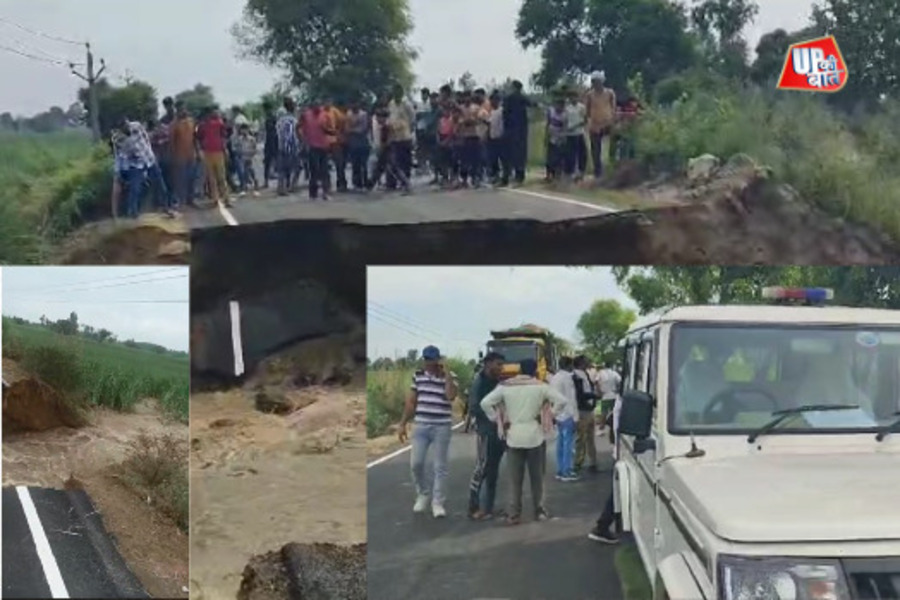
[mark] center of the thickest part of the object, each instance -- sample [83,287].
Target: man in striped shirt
[430,403]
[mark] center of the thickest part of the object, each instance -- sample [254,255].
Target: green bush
[49,185]
[386,392]
[845,166]
[58,366]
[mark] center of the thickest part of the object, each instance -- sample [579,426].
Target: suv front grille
[874,578]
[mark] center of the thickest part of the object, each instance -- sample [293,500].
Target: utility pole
[91,78]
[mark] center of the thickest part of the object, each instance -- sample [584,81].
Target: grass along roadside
[89,373]
[632,577]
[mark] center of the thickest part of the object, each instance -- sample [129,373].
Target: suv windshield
[732,379]
[515,352]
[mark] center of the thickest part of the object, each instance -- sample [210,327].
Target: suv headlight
[745,578]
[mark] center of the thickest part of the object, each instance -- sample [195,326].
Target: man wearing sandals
[519,406]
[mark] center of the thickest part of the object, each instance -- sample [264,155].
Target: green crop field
[386,391]
[96,373]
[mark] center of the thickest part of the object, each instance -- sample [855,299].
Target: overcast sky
[174,44]
[456,308]
[124,300]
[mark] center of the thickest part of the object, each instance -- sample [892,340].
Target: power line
[382,308]
[48,36]
[106,280]
[40,296]
[52,61]
[395,326]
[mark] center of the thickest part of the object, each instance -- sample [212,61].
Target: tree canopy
[331,48]
[655,288]
[197,98]
[136,100]
[601,326]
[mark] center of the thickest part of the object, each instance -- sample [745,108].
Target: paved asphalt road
[425,204]
[54,546]
[417,556]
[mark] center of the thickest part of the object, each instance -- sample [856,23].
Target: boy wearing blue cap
[430,404]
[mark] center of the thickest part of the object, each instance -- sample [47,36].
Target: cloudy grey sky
[456,308]
[176,43]
[124,300]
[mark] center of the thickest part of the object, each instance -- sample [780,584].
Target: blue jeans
[423,437]
[162,193]
[133,181]
[565,447]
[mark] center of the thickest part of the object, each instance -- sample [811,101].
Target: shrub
[386,392]
[59,367]
[846,166]
[157,467]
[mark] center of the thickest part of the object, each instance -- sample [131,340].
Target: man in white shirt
[576,147]
[608,380]
[563,383]
[523,399]
[401,120]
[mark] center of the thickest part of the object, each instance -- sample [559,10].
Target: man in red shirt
[212,136]
[318,129]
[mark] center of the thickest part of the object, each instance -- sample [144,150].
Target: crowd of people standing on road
[459,138]
[183,158]
[514,419]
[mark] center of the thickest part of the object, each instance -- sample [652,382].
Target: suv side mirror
[636,417]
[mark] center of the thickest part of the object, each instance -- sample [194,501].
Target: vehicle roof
[766,313]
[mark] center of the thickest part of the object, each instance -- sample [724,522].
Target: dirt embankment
[48,444]
[739,216]
[278,493]
[153,239]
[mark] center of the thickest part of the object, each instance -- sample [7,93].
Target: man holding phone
[430,404]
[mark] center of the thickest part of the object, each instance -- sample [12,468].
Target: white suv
[760,452]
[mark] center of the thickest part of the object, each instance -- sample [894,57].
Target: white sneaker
[421,504]
[438,511]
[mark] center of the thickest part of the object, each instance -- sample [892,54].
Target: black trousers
[609,516]
[517,152]
[270,158]
[497,167]
[576,154]
[472,167]
[339,158]
[597,153]
[318,172]
[359,165]
[489,454]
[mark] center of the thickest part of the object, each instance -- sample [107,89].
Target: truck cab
[523,343]
[759,452]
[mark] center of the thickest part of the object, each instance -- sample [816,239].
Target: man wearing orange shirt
[184,153]
[319,135]
[338,118]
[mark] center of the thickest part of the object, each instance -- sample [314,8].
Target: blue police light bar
[811,295]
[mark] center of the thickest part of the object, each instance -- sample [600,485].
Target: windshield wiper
[888,429]
[782,415]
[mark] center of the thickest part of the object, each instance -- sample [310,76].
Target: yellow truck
[520,343]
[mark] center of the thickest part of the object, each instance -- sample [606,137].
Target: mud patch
[31,405]
[261,481]
[306,572]
[150,240]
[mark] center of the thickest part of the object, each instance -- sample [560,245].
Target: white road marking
[564,200]
[226,214]
[397,453]
[236,344]
[45,554]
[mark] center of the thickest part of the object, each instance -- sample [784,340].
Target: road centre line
[397,453]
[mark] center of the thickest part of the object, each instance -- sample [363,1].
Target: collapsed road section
[740,219]
[55,546]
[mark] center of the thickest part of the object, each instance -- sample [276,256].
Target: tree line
[71,327]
